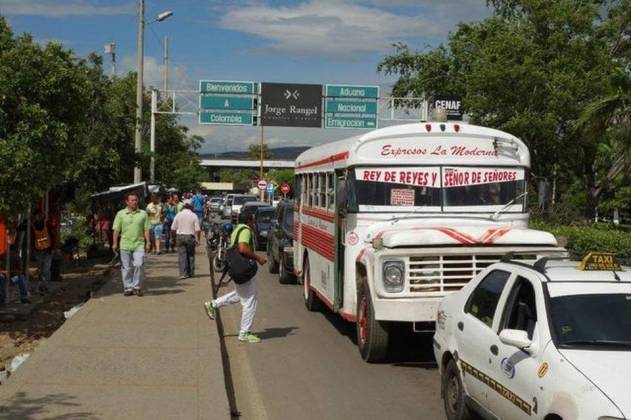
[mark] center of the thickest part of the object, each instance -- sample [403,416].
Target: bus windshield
[436,189]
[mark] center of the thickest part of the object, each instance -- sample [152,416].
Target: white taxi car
[549,340]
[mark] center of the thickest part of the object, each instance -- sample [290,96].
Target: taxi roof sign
[599,261]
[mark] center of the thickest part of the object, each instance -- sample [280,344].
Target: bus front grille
[449,273]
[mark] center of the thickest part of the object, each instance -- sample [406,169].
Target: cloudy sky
[312,41]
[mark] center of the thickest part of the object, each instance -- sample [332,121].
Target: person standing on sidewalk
[199,204]
[131,236]
[186,231]
[245,293]
[44,248]
[169,216]
[154,211]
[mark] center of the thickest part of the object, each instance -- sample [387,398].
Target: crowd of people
[178,224]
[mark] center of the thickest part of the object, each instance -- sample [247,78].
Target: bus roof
[430,143]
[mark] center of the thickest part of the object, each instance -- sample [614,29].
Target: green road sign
[226,118]
[335,121]
[227,87]
[226,102]
[351,107]
[352,91]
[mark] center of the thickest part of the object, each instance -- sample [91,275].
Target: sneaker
[211,311]
[249,338]
[138,292]
[128,292]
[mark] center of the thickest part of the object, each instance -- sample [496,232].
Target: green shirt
[132,227]
[179,206]
[244,236]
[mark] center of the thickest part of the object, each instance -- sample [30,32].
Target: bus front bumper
[406,309]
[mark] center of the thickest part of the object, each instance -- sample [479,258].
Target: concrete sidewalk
[154,357]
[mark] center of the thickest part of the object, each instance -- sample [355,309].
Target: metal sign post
[152,138]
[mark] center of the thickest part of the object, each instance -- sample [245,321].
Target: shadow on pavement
[25,408]
[276,332]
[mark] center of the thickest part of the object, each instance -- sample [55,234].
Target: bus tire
[272,264]
[312,302]
[372,335]
[284,277]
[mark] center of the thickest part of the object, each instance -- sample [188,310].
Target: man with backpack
[242,240]
[199,204]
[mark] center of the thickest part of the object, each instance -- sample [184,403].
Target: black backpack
[240,268]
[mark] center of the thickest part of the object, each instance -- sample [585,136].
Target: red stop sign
[284,188]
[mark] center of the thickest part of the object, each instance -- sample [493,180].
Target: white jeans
[246,294]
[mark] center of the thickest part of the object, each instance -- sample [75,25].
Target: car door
[475,336]
[515,395]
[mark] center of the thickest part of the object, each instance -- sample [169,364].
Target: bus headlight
[393,276]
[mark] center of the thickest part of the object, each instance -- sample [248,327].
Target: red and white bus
[388,222]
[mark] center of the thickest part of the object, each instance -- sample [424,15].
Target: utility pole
[152,143]
[139,88]
[165,65]
[261,166]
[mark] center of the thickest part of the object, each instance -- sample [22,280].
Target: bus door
[340,234]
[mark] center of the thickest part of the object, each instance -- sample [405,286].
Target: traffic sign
[226,102]
[271,187]
[284,188]
[351,107]
[227,87]
[291,105]
[352,91]
[226,118]
[262,184]
[334,121]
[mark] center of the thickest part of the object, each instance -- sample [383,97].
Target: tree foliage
[533,69]
[63,121]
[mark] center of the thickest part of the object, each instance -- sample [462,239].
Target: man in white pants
[246,292]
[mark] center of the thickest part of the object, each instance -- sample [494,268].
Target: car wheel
[284,276]
[453,393]
[312,302]
[372,335]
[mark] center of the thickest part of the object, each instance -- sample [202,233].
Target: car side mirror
[516,338]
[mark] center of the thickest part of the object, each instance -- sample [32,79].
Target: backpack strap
[236,238]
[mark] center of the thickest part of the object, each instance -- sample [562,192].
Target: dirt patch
[80,280]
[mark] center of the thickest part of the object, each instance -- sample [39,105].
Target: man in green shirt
[131,237]
[246,292]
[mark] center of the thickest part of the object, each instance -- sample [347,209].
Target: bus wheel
[283,277]
[272,265]
[312,302]
[372,335]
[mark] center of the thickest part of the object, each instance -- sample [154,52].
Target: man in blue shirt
[199,204]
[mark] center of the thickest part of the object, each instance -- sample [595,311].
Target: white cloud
[331,27]
[54,8]
[152,73]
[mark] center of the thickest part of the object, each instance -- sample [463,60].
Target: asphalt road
[308,365]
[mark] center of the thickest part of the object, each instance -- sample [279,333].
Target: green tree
[254,152]
[530,69]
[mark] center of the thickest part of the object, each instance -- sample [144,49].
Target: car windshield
[243,199]
[437,188]
[592,319]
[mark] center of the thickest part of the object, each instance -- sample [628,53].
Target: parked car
[264,217]
[237,202]
[214,203]
[549,340]
[250,207]
[280,251]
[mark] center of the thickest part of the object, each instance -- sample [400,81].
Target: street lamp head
[164,15]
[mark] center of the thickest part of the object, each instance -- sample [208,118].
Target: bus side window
[322,191]
[330,197]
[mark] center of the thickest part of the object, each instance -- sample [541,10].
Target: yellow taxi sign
[599,261]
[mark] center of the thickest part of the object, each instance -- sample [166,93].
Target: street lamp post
[139,84]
